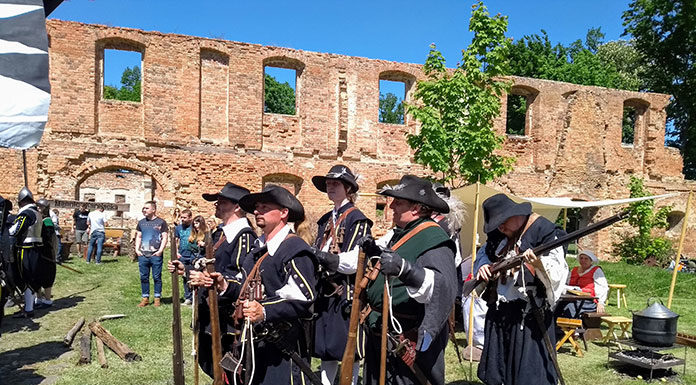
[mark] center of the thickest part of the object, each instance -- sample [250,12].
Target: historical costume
[232,241]
[589,278]
[286,267]
[514,351]
[417,258]
[25,233]
[337,251]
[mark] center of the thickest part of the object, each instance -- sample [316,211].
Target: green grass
[31,351]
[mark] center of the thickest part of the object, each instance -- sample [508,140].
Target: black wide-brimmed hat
[499,208]
[339,172]
[441,190]
[417,190]
[278,195]
[231,191]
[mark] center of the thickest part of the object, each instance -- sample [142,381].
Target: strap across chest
[330,231]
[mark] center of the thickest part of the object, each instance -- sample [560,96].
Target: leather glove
[328,260]
[393,265]
[369,247]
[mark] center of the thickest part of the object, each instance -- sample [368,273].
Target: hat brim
[437,204]
[522,209]
[215,197]
[248,204]
[319,182]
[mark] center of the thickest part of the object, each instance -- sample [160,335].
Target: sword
[61,265]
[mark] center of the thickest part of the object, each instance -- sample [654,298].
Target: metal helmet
[43,203]
[24,193]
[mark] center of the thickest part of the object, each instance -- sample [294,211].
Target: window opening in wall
[628,124]
[122,75]
[516,114]
[391,101]
[671,133]
[279,90]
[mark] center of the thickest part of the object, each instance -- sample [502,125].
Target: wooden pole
[177,354]
[679,249]
[85,348]
[565,218]
[216,335]
[346,376]
[121,349]
[68,339]
[24,164]
[385,330]
[100,354]
[474,236]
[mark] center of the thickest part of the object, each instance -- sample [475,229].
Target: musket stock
[214,319]
[346,376]
[516,261]
[177,354]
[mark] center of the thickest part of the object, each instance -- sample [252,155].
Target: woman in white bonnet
[588,277]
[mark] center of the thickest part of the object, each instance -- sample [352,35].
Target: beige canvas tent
[547,207]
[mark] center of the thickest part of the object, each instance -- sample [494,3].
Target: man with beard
[417,263]
[286,268]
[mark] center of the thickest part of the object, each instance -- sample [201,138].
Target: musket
[196,327]
[346,376]
[517,260]
[214,318]
[177,354]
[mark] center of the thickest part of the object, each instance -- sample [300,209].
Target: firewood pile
[103,337]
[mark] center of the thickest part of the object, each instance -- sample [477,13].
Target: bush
[635,249]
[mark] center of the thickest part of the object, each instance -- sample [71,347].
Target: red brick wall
[201,124]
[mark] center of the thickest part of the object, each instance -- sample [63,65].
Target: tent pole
[24,164]
[474,233]
[565,218]
[679,250]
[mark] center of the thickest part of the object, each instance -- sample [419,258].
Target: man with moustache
[232,242]
[286,267]
[417,260]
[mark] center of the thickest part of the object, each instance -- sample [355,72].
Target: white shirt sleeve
[425,291]
[601,286]
[554,274]
[348,261]
[291,291]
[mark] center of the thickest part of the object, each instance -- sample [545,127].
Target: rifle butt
[346,376]
[214,320]
[177,354]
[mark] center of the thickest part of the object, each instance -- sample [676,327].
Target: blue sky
[389,30]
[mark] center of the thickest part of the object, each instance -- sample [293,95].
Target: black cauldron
[655,325]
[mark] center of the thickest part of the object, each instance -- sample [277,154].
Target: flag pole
[470,336]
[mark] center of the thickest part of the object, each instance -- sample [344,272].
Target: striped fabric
[24,87]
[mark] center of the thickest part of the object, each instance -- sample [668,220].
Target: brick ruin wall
[201,123]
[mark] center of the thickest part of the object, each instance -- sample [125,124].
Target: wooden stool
[569,326]
[620,293]
[623,322]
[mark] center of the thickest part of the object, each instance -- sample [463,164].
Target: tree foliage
[665,36]
[643,216]
[456,108]
[279,98]
[591,63]
[130,86]
[391,110]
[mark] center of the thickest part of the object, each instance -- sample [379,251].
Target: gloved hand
[369,247]
[328,260]
[393,265]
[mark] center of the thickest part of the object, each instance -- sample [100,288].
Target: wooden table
[623,322]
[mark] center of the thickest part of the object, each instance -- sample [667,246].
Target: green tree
[456,108]
[279,98]
[391,110]
[130,86]
[591,63]
[637,248]
[665,36]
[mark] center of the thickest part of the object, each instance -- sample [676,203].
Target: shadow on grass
[12,362]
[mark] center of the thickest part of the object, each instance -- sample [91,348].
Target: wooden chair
[113,240]
[569,326]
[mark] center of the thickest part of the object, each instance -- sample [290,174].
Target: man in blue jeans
[150,241]
[96,222]
[182,233]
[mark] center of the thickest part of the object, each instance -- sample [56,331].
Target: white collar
[30,206]
[277,239]
[232,229]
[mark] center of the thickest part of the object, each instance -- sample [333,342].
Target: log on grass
[110,316]
[85,348]
[122,350]
[68,340]
[100,354]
